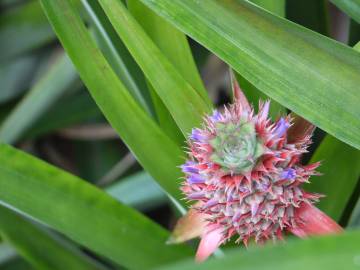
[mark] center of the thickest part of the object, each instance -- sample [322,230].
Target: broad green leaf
[42,249]
[117,54]
[158,154]
[138,190]
[330,252]
[15,76]
[82,212]
[22,29]
[58,79]
[311,75]
[340,172]
[165,119]
[183,102]
[251,92]
[172,43]
[350,7]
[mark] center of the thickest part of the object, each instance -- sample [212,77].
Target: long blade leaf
[183,102]
[117,54]
[149,144]
[82,212]
[172,43]
[40,248]
[314,76]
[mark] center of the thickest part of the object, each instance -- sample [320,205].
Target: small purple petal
[216,116]
[188,167]
[210,203]
[288,174]
[196,196]
[196,135]
[195,179]
[243,189]
[281,127]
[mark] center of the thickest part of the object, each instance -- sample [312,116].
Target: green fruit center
[236,147]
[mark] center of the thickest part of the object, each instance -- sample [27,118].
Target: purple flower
[195,179]
[196,195]
[288,174]
[281,127]
[189,167]
[196,135]
[216,116]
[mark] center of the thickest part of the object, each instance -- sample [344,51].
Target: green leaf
[42,249]
[117,55]
[82,212]
[251,92]
[165,119]
[183,102]
[313,76]
[172,43]
[58,79]
[340,173]
[331,253]
[158,154]
[350,7]
[22,29]
[160,31]
[128,191]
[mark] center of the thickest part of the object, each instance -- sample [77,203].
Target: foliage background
[109,117]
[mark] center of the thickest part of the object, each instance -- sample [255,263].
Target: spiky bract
[245,174]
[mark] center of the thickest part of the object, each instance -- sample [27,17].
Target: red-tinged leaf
[188,227]
[210,241]
[315,222]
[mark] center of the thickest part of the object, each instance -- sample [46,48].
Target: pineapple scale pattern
[245,175]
